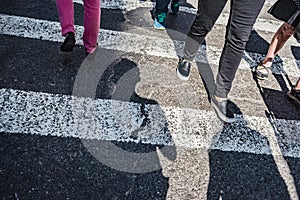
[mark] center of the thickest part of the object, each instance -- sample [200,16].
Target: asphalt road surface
[118,124]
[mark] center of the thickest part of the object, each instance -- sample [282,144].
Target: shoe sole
[292,97]
[260,78]
[184,78]
[220,115]
[159,28]
[68,48]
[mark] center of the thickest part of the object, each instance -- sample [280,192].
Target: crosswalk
[167,113]
[48,114]
[128,42]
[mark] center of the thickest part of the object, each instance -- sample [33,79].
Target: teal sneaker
[160,20]
[175,8]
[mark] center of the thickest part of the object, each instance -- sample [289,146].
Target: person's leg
[207,14]
[161,10]
[281,36]
[243,14]
[175,6]
[91,24]
[66,15]
[284,32]
[161,6]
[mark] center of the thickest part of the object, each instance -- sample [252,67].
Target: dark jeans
[243,14]
[162,5]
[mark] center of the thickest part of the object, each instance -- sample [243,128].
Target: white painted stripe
[69,116]
[129,42]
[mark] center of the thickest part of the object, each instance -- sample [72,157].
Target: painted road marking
[129,42]
[69,116]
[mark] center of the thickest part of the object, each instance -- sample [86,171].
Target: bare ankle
[297,88]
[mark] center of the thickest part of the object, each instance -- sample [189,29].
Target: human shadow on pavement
[234,174]
[278,105]
[294,165]
[46,167]
[63,168]
[239,172]
[293,162]
[145,131]
[280,111]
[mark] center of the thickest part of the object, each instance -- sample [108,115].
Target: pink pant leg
[66,15]
[91,24]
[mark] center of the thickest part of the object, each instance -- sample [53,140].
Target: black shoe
[175,7]
[222,110]
[69,43]
[86,53]
[183,69]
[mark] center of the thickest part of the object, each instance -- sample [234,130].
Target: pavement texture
[180,149]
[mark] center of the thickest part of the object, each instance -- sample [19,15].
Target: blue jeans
[243,14]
